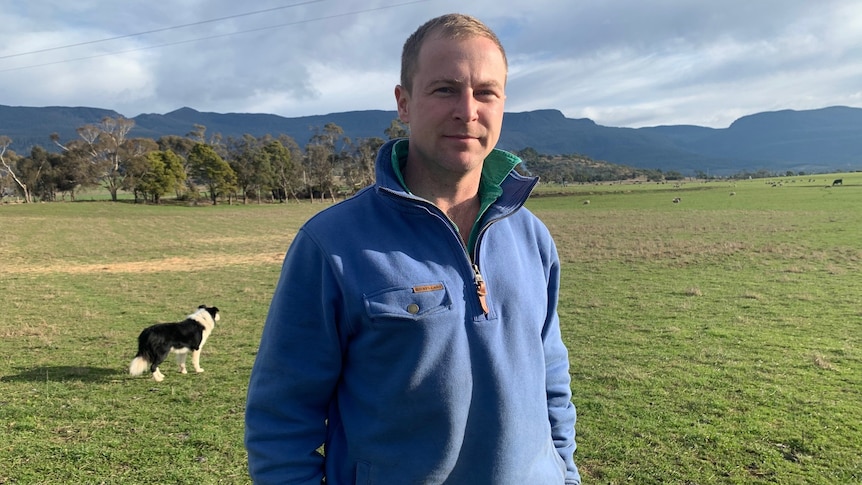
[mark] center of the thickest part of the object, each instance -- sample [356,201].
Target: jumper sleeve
[561,411]
[295,372]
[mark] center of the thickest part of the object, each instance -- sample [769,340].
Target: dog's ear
[202,306]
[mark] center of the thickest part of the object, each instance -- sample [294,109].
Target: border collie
[189,335]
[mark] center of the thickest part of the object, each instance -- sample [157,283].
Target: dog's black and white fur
[189,335]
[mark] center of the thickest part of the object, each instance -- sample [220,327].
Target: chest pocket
[408,303]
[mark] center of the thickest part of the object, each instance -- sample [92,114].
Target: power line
[164,29]
[197,39]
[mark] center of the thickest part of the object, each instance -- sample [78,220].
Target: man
[413,332]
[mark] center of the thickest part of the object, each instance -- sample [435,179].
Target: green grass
[712,341]
[715,340]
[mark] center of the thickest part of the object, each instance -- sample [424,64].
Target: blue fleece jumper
[378,346]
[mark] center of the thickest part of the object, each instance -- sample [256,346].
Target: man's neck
[463,214]
[457,197]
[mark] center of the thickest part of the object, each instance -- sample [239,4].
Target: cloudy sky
[618,62]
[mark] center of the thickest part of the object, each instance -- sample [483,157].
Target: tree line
[198,167]
[192,167]
[580,169]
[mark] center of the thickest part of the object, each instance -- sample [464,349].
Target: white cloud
[619,62]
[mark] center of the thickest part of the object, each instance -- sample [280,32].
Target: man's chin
[465,161]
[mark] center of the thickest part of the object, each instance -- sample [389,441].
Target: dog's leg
[196,360]
[157,375]
[181,360]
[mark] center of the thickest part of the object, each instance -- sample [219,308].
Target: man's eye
[487,94]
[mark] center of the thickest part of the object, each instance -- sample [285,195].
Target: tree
[166,173]
[251,163]
[76,168]
[359,167]
[673,175]
[137,165]
[321,156]
[211,170]
[397,129]
[69,173]
[318,174]
[198,134]
[37,171]
[654,175]
[181,146]
[283,154]
[109,150]
[5,141]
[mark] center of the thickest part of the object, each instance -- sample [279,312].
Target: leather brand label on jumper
[426,288]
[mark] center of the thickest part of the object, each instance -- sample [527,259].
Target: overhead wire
[164,29]
[197,39]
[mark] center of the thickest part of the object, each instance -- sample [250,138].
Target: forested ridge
[811,141]
[201,166]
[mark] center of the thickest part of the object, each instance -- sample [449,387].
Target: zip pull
[481,290]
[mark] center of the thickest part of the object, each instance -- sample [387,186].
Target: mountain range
[810,141]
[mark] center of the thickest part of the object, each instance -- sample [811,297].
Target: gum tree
[209,169]
[165,173]
[5,141]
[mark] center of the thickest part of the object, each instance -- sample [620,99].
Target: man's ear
[402,100]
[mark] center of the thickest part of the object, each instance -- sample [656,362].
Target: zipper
[481,290]
[478,280]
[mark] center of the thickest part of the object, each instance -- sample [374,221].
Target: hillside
[812,141]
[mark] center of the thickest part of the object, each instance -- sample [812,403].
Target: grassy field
[714,340]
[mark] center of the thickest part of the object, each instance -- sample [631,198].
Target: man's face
[455,109]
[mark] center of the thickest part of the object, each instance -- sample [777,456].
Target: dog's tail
[138,366]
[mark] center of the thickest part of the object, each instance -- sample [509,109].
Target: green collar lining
[497,166]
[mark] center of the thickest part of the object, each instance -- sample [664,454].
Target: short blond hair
[449,26]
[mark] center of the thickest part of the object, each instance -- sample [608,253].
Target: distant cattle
[677,200]
[838,182]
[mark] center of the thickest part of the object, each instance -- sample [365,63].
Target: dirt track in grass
[154,266]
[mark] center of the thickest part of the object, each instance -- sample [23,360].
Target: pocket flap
[413,302]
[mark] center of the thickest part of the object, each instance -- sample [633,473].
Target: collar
[496,167]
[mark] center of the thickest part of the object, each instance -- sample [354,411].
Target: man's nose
[467,107]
